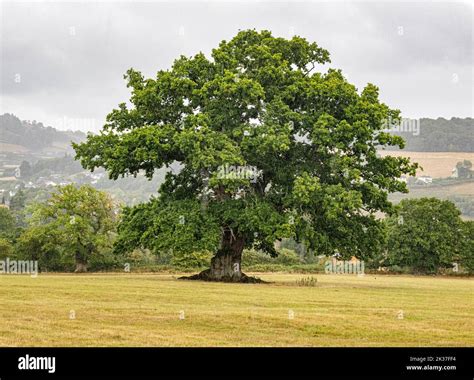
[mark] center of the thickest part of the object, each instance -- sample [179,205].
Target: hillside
[434,135]
[33,137]
[51,161]
[439,135]
[434,164]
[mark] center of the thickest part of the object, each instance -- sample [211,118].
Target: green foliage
[7,223]
[18,205]
[296,268]
[285,257]
[192,260]
[162,226]
[41,243]
[467,246]
[79,222]
[426,235]
[6,249]
[139,257]
[18,201]
[104,259]
[256,102]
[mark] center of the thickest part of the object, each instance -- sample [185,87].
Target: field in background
[457,191]
[145,310]
[435,164]
[442,191]
[12,148]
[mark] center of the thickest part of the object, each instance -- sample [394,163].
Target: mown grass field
[144,310]
[434,164]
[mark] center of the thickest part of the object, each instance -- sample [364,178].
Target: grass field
[434,164]
[464,189]
[12,148]
[144,310]
[454,191]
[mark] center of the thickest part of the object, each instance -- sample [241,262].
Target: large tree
[267,148]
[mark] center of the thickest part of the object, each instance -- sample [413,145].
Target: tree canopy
[78,222]
[428,234]
[309,140]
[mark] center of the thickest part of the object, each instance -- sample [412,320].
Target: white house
[424,180]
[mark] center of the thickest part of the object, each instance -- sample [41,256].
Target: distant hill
[23,136]
[50,159]
[433,135]
[440,135]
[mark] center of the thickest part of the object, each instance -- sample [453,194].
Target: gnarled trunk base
[81,263]
[206,275]
[225,265]
[80,268]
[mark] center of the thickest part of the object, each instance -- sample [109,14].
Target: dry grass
[144,310]
[435,164]
[12,148]
[465,189]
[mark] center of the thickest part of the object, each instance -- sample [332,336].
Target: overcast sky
[63,63]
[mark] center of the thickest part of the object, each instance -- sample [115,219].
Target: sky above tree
[63,63]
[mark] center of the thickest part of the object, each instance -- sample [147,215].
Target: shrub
[307,281]
[192,260]
[285,257]
[105,260]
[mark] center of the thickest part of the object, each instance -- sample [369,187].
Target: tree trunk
[81,264]
[226,264]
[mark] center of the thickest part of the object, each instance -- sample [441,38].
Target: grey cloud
[72,56]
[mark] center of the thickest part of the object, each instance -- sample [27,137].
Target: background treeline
[436,135]
[441,135]
[33,135]
[78,229]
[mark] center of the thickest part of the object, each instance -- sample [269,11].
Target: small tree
[7,223]
[426,235]
[18,201]
[26,170]
[6,248]
[80,222]
[464,169]
[467,251]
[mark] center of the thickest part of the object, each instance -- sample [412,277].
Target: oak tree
[266,147]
